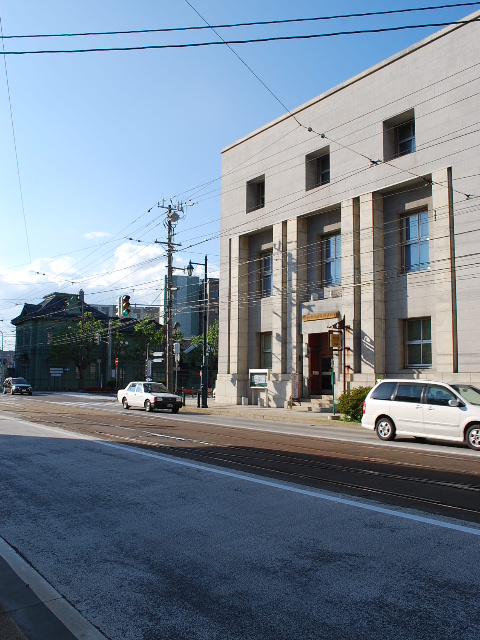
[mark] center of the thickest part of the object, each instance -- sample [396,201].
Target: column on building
[372,287]
[444,325]
[232,379]
[349,222]
[296,287]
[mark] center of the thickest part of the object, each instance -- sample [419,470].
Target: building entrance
[320,364]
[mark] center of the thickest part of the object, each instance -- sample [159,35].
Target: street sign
[158,360]
[149,369]
[56,372]
[116,362]
[157,354]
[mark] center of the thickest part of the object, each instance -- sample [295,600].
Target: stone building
[350,233]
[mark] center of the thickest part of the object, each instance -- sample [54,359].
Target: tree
[146,334]
[212,345]
[78,342]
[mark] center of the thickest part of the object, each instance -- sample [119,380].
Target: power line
[15,142]
[223,42]
[235,25]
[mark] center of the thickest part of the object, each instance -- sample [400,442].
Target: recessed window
[266,350]
[331,260]
[399,135]
[317,168]
[405,138]
[415,242]
[266,273]
[418,338]
[256,194]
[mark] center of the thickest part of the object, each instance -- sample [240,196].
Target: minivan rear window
[409,392]
[384,391]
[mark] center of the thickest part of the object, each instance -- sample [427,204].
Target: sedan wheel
[473,437]
[125,404]
[148,405]
[385,429]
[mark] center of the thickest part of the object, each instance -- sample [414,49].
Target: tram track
[310,462]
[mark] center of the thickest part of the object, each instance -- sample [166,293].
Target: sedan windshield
[154,387]
[471,394]
[19,381]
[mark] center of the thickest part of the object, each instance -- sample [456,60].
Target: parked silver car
[424,409]
[17,385]
[148,396]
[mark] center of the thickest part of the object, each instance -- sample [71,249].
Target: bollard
[198,400]
[183,398]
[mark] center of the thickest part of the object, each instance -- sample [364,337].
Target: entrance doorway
[320,364]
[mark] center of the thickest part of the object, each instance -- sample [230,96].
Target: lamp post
[204,363]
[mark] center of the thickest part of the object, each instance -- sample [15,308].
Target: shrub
[351,403]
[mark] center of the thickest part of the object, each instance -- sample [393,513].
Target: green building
[40,326]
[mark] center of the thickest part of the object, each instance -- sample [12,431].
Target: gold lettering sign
[320,316]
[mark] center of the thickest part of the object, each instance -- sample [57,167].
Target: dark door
[320,364]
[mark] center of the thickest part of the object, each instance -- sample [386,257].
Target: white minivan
[424,409]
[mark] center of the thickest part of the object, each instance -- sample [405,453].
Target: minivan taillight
[364,407]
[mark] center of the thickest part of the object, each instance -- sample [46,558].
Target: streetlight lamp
[204,363]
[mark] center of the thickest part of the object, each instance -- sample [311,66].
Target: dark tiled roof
[57,306]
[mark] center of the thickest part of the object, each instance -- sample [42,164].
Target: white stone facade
[367,199]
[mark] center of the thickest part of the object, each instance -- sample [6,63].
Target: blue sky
[101,138]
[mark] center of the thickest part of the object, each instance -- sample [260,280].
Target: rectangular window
[331,261]
[317,168]
[418,334]
[399,135]
[405,138]
[49,337]
[93,371]
[415,242]
[266,351]
[256,194]
[266,268]
[323,170]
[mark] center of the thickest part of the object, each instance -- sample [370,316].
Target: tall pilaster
[372,285]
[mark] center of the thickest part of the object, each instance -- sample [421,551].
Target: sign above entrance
[320,316]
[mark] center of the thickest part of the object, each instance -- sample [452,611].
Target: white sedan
[148,396]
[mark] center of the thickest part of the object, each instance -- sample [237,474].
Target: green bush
[351,403]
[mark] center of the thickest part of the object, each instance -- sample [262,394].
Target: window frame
[266,350]
[335,260]
[317,174]
[266,274]
[255,194]
[419,240]
[410,138]
[422,342]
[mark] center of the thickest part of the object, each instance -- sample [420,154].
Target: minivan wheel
[125,404]
[473,437]
[148,405]
[385,429]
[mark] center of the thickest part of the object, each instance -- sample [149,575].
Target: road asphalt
[25,616]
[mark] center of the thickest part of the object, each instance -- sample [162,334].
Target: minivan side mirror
[455,403]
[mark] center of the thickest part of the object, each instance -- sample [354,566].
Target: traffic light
[119,307]
[126,306]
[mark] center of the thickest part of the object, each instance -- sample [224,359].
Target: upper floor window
[256,194]
[266,272]
[49,337]
[418,338]
[317,168]
[415,242]
[266,351]
[331,261]
[399,135]
[405,138]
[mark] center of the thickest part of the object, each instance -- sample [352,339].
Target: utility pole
[172,218]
